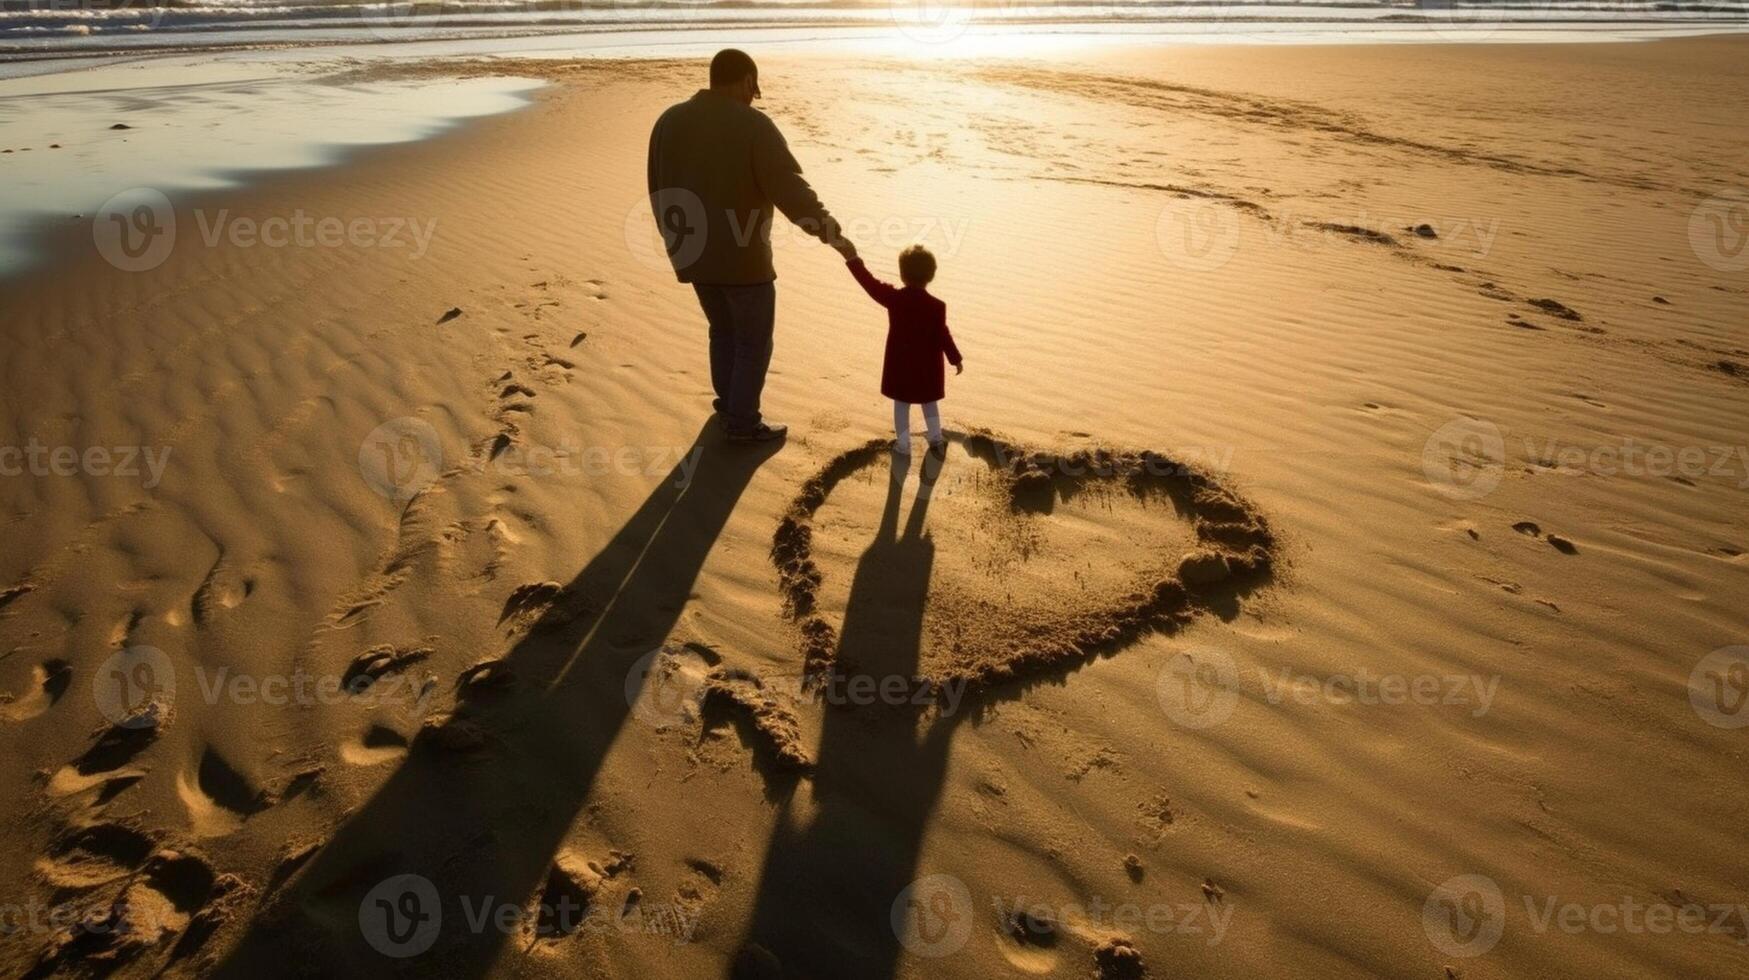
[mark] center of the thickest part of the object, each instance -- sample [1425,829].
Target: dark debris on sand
[1118,959]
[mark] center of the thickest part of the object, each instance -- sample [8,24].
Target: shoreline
[895,37]
[89,155]
[332,68]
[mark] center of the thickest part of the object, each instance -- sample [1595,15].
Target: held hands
[845,248]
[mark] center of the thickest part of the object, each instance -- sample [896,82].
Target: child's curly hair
[916,266]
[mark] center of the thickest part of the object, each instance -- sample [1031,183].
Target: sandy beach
[1330,574]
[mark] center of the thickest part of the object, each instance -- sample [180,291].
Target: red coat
[917,339]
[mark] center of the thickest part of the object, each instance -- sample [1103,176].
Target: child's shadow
[830,879]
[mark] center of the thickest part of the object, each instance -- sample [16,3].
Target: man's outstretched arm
[780,177]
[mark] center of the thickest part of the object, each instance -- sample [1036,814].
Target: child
[917,339]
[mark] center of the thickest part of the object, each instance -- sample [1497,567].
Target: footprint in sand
[371,666]
[698,888]
[476,551]
[540,606]
[17,592]
[217,797]
[484,680]
[120,633]
[576,889]
[115,747]
[377,745]
[146,899]
[1029,942]
[533,311]
[48,681]
[1559,543]
[223,588]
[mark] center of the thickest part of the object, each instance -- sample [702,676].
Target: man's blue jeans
[741,319]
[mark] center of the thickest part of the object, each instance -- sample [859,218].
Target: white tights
[902,423]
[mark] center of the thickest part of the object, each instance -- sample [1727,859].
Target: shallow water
[57,29]
[197,126]
[199,121]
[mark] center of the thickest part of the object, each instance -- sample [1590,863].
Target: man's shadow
[481,803]
[830,879]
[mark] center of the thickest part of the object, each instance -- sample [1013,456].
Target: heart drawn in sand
[1027,563]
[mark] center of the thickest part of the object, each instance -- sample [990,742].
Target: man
[718,169]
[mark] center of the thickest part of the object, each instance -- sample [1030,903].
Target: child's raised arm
[878,291]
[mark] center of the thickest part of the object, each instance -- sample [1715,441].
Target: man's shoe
[763,432]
